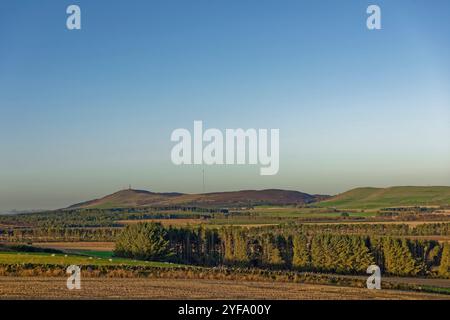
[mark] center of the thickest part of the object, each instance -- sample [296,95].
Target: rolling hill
[126,198]
[140,198]
[375,198]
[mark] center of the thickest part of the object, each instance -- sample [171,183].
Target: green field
[290,212]
[93,258]
[377,198]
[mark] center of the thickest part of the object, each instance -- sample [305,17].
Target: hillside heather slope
[244,197]
[126,198]
[139,198]
[375,198]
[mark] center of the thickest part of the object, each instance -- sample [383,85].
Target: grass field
[93,258]
[376,198]
[116,288]
[294,212]
[77,246]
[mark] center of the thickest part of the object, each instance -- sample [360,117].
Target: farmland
[41,275]
[77,246]
[376,198]
[298,250]
[91,258]
[116,288]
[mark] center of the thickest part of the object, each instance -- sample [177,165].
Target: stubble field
[178,289]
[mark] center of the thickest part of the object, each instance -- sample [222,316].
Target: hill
[243,198]
[126,198]
[375,198]
[140,198]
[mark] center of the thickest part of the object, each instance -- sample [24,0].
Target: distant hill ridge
[140,198]
[358,198]
[375,198]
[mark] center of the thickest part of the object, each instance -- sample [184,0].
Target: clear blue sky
[85,113]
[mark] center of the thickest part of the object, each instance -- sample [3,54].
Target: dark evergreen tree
[301,257]
[146,241]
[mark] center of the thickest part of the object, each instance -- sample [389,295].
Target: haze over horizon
[86,113]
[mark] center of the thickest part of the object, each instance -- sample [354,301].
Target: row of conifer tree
[288,249]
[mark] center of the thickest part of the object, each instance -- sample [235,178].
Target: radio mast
[203,176]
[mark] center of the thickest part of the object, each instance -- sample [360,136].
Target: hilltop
[375,198]
[126,198]
[141,198]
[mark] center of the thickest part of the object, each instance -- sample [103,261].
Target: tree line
[59,234]
[401,229]
[244,247]
[95,218]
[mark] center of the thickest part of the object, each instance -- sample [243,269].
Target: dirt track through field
[116,288]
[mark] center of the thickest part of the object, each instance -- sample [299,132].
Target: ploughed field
[145,288]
